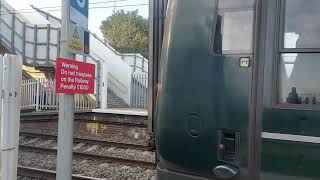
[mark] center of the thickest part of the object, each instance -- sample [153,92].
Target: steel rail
[47,174]
[123,161]
[91,141]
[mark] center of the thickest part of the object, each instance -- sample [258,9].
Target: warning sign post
[74,77]
[71,77]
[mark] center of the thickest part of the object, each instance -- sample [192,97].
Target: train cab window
[234,27]
[299,81]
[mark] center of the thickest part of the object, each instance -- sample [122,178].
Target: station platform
[135,117]
[135,112]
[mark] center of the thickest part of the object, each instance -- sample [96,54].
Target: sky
[98,14]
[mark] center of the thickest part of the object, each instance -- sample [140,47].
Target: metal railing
[38,45]
[139,90]
[136,61]
[40,94]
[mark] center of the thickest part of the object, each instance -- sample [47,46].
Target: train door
[290,137]
[205,107]
[236,61]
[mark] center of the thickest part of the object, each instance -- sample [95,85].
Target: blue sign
[78,37]
[81,6]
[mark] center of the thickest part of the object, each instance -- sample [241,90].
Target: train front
[202,112]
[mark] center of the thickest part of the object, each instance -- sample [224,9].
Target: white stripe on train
[290,137]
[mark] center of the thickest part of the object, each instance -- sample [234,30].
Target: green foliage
[127,32]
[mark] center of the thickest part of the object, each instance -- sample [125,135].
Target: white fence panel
[40,94]
[139,90]
[28,94]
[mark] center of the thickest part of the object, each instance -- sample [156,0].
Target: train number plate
[244,62]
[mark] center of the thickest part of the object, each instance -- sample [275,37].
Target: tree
[127,32]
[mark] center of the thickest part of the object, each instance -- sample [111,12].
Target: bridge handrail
[143,66]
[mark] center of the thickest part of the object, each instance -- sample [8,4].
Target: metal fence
[39,45]
[40,94]
[139,90]
[136,61]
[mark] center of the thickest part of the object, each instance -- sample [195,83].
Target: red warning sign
[74,77]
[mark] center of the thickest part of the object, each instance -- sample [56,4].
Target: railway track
[123,161]
[90,141]
[46,174]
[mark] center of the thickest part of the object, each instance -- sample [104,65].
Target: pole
[66,108]
[1,85]
[114,6]
[104,93]
[10,115]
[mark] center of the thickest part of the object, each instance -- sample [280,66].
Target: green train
[239,91]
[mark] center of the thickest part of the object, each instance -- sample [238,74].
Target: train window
[301,28]
[234,27]
[299,78]
[298,68]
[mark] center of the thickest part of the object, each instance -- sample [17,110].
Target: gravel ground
[38,142]
[94,149]
[92,168]
[26,178]
[103,137]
